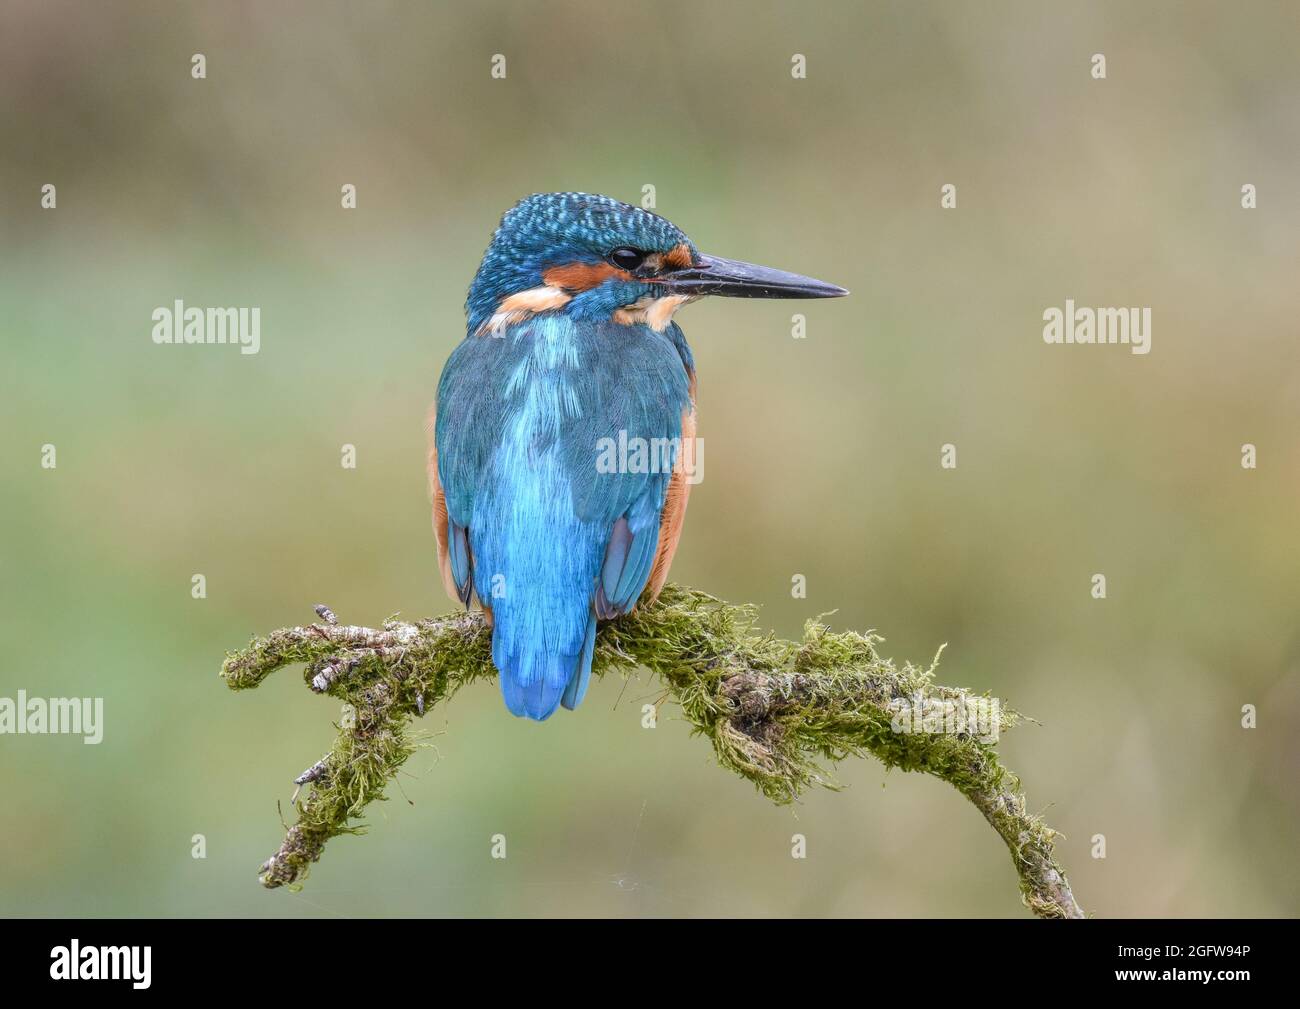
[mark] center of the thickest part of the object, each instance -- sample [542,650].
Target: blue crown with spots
[552,229]
[578,220]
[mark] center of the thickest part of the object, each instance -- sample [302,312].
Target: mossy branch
[776,712]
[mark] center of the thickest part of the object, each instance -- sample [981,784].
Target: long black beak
[731,278]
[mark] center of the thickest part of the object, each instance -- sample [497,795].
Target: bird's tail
[535,681]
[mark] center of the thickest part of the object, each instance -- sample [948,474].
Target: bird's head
[595,258]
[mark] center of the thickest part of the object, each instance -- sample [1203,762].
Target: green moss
[776,712]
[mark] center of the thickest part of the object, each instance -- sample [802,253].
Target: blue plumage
[519,423]
[570,357]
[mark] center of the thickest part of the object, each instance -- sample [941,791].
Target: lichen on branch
[777,713]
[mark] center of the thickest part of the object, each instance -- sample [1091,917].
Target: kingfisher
[570,348]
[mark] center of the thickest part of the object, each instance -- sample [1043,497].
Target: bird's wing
[454,559]
[460,427]
[648,404]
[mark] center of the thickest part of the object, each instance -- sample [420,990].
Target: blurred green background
[822,454]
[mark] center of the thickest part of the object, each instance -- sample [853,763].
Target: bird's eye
[626,258]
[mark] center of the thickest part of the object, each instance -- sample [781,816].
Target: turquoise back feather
[524,426]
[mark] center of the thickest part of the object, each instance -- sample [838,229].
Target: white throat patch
[654,312]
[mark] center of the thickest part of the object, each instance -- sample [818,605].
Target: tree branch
[775,711]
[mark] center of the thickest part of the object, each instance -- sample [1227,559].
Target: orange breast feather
[674,514]
[439,501]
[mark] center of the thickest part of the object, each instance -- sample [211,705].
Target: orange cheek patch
[678,257]
[582,276]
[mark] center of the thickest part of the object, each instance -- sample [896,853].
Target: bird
[571,354]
